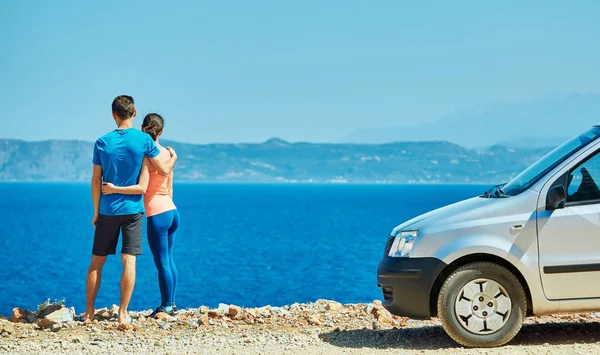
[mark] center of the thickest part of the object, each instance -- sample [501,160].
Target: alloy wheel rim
[483,306]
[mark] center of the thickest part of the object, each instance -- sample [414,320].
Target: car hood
[468,210]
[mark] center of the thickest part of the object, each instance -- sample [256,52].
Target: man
[118,158]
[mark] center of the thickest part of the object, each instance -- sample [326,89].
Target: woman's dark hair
[153,124]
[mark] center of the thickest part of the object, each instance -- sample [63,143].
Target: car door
[569,237]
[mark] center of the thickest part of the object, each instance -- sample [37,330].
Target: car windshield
[539,169]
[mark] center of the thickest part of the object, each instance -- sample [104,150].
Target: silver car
[528,247]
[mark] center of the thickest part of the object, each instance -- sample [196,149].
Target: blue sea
[246,244]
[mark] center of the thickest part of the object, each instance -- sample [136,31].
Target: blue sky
[233,71]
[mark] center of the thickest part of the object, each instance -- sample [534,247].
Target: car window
[539,169]
[582,183]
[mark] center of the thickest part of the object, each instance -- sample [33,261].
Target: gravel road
[306,329]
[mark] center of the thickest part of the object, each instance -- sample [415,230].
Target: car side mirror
[556,198]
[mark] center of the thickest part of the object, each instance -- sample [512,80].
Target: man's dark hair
[123,107]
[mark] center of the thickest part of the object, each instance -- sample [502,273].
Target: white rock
[333,306]
[63,315]
[280,312]
[265,311]
[114,309]
[6,327]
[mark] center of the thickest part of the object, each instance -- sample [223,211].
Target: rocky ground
[323,327]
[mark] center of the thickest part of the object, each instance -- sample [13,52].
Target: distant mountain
[280,161]
[534,142]
[545,118]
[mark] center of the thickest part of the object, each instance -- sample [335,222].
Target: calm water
[249,245]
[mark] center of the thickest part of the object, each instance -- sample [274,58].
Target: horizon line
[277,140]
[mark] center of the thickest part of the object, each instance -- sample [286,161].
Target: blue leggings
[161,237]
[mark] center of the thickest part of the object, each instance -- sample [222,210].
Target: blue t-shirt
[121,154]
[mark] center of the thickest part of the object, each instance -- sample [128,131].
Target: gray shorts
[107,232]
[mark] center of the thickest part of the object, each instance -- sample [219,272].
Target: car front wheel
[482,305]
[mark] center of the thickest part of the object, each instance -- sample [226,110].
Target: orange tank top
[157,198]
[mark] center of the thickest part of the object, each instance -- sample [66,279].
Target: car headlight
[403,244]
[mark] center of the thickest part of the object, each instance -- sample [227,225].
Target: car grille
[388,246]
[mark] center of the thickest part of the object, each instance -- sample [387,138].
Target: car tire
[473,318]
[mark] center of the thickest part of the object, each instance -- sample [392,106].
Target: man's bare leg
[127,284]
[92,285]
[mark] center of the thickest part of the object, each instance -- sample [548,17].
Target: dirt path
[546,338]
[320,328]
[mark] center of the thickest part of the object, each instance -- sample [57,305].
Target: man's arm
[165,168]
[96,191]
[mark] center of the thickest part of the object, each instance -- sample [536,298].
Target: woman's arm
[170,184]
[139,189]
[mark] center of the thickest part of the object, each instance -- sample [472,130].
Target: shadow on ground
[434,337]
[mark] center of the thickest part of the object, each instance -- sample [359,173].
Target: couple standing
[130,164]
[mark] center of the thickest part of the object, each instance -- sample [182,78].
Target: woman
[163,217]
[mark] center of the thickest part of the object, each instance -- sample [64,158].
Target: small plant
[47,303]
